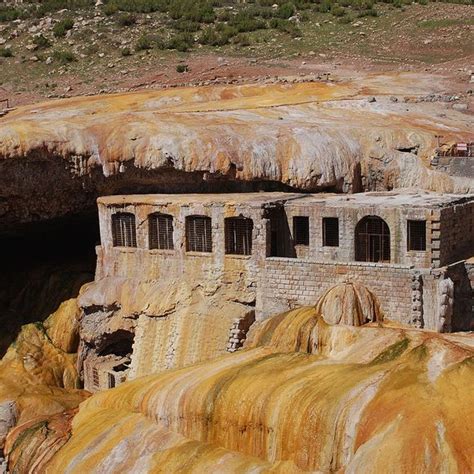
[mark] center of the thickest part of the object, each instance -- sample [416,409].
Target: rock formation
[56,157]
[361,399]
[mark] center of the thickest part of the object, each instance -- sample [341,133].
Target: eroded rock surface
[58,156]
[303,396]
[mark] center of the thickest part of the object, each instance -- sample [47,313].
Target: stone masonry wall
[286,283]
[456,233]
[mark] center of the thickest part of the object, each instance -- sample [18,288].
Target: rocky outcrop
[362,399]
[56,157]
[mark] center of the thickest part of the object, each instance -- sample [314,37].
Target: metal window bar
[330,232]
[372,242]
[95,377]
[124,232]
[301,230]
[160,231]
[416,233]
[238,235]
[198,234]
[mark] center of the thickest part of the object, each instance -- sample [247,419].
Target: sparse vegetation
[64,56]
[41,42]
[6,53]
[181,68]
[60,29]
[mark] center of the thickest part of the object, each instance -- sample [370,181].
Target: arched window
[160,231]
[372,240]
[198,234]
[124,233]
[238,235]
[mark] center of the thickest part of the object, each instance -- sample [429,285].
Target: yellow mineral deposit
[302,396]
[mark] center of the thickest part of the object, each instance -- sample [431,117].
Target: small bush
[126,52]
[143,43]
[9,14]
[110,9]
[337,10]
[60,29]
[127,20]
[286,10]
[242,39]
[325,6]
[64,57]
[41,41]
[186,26]
[181,42]
[182,68]
[6,53]
[245,23]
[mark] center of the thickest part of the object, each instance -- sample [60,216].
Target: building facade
[278,251]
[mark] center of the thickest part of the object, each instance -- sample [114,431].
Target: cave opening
[43,264]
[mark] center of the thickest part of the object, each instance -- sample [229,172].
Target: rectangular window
[198,234]
[330,232]
[124,233]
[238,235]
[160,231]
[301,230]
[416,233]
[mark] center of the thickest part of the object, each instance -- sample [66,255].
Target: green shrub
[6,53]
[182,68]
[368,12]
[242,39]
[187,26]
[110,9]
[143,43]
[41,41]
[244,23]
[127,20]
[325,6]
[9,13]
[126,52]
[60,29]
[286,10]
[64,57]
[181,42]
[337,10]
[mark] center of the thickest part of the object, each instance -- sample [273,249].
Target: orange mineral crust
[306,135]
[303,396]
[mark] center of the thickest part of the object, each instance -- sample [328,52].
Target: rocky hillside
[66,47]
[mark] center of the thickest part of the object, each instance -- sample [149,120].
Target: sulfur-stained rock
[364,399]
[308,136]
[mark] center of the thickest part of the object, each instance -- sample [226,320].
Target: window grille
[416,232]
[198,234]
[301,230]
[372,240]
[95,377]
[330,232]
[124,233]
[238,235]
[160,231]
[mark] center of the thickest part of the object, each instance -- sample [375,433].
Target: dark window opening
[330,232]
[198,234]
[111,380]
[160,231]
[238,235]
[119,343]
[416,232]
[279,240]
[301,230]
[124,233]
[372,240]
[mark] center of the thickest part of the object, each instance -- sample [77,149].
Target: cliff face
[58,156]
[303,396]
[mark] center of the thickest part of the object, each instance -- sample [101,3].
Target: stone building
[277,251]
